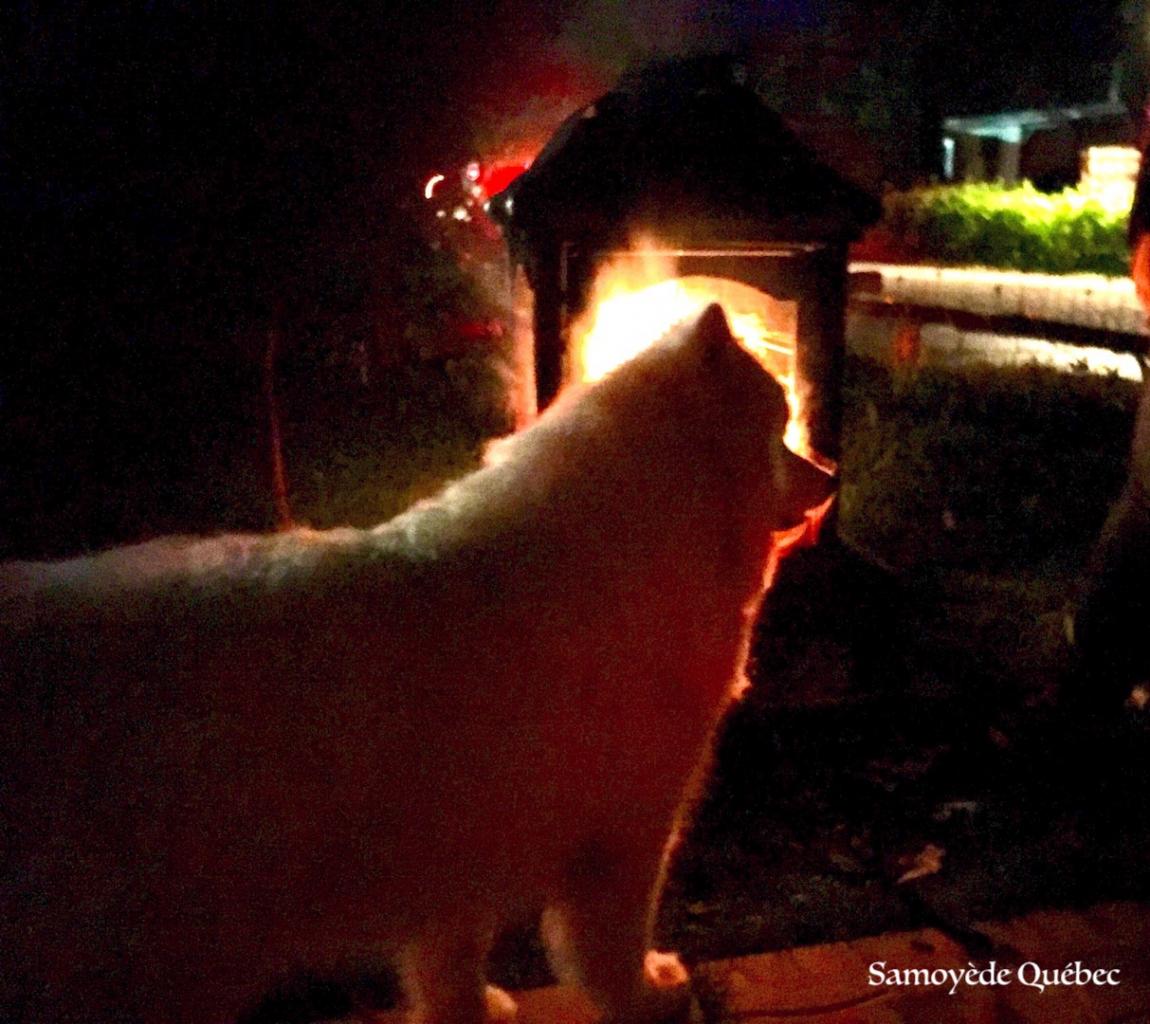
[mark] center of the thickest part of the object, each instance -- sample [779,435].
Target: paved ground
[946,345]
[1080,967]
[834,984]
[1085,300]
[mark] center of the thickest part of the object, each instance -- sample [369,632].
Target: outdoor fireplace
[681,174]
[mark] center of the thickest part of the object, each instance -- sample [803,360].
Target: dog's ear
[712,333]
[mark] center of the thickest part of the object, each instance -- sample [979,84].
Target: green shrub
[1011,228]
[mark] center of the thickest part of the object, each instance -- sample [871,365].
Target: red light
[496,177]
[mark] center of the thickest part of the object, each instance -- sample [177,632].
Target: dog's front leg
[442,972]
[598,931]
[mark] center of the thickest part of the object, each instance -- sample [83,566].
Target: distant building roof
[1017,125]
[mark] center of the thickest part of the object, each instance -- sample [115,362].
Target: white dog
[225,760]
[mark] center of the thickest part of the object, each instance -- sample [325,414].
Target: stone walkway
[832,984]
[947,346]
[1094,965]
[940,310]
[1085,300]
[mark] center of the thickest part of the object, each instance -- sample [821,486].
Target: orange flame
[637,297]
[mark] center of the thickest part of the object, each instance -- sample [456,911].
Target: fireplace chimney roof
[685,150]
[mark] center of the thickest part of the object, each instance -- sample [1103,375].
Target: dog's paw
[665,971]
[501,1008]
[666,997]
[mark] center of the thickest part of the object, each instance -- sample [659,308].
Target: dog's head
[754,412]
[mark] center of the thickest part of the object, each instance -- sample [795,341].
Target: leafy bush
[1013,228]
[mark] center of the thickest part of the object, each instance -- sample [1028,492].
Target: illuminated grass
[981,469]
[359,458]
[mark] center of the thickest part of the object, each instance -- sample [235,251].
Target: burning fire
[638,297]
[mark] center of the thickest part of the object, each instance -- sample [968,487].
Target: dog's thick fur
[225,760]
